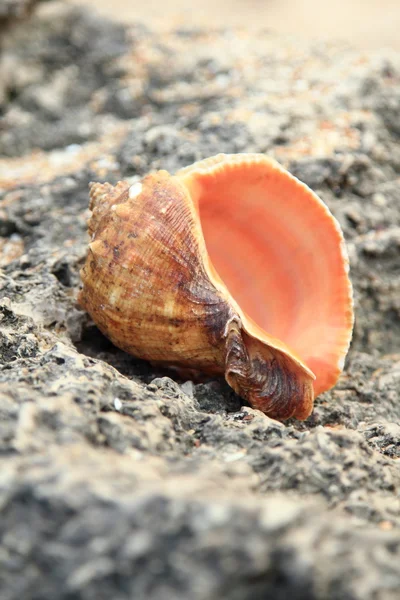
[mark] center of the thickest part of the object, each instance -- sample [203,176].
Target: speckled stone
[120,481]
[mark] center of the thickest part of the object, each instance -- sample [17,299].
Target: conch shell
[231,267]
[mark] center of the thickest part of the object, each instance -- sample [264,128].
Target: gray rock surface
[12,10]
[117,481]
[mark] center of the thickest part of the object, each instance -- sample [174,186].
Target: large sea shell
[231,267]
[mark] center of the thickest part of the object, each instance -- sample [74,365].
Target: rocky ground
[120,482]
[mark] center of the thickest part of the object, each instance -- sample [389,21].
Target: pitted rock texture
[120,481]
[15,9]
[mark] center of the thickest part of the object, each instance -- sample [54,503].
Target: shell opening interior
[279,252]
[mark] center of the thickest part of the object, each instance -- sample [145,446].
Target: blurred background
[363,23]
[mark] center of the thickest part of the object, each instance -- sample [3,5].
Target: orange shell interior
[281,254]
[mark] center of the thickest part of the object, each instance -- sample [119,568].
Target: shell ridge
[266,377]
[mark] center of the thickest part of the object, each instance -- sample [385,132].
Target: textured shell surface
[232,267]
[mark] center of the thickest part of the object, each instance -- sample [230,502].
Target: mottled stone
[118,480]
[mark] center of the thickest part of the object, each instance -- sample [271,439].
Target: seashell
[230,267]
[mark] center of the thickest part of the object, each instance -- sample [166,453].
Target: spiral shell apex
[230,267]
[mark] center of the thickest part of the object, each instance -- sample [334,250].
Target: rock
[118,480]
[15,9]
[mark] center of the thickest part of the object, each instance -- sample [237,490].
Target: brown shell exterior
[150,287]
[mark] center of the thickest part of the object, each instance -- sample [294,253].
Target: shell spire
[230,267]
